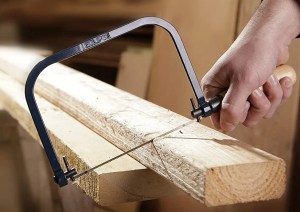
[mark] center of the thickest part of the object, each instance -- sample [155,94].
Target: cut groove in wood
[208,165]
[120,181]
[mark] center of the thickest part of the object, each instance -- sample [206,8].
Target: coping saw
[203,108]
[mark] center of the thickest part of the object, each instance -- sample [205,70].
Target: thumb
[210,86]
[233,107]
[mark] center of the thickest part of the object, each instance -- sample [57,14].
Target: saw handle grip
[286,71]
[280,72]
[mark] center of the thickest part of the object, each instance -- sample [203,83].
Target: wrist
[273,26]
[281,19]
[276,19]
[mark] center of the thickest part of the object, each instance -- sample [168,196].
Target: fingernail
[288,83]
[273,80]
[258,92]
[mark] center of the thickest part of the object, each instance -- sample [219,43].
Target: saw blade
[135,148]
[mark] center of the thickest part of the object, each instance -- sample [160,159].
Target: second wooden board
[208,165]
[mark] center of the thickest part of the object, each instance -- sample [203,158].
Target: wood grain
[208,165]
[134,71]
[120,181]
[278,134]
[207,30]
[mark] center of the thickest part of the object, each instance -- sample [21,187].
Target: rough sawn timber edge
[118,182]
[208,165]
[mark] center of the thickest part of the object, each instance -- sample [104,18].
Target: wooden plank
[34,175]
[62,9]
[14,178]
[120,181]
[246,10]
[206,36]
[25,175]
[78,21]
[11,201]
[275,129]
[294,200]
[134,71]
[276,135]
[6,119]
[210,166]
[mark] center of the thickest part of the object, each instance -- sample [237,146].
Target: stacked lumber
[120,181]
[70,22]
[120,9]
[134,71]
[207,36]
[208,165]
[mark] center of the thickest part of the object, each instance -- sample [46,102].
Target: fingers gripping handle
[215,102]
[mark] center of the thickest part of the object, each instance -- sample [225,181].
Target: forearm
[284,17]
[276,20]
[249,63]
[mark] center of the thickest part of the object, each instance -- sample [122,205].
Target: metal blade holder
[202,109]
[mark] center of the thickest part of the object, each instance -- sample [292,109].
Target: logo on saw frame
[96,40]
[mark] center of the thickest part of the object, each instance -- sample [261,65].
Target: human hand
[245,72]
[245,83]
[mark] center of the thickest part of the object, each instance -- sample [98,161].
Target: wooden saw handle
[285,71]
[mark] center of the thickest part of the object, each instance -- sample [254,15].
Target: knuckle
[203,82]
[204,85]
[262,107]
[266,106]
[248,79]
[206,82]
[287,93]
[275,95]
